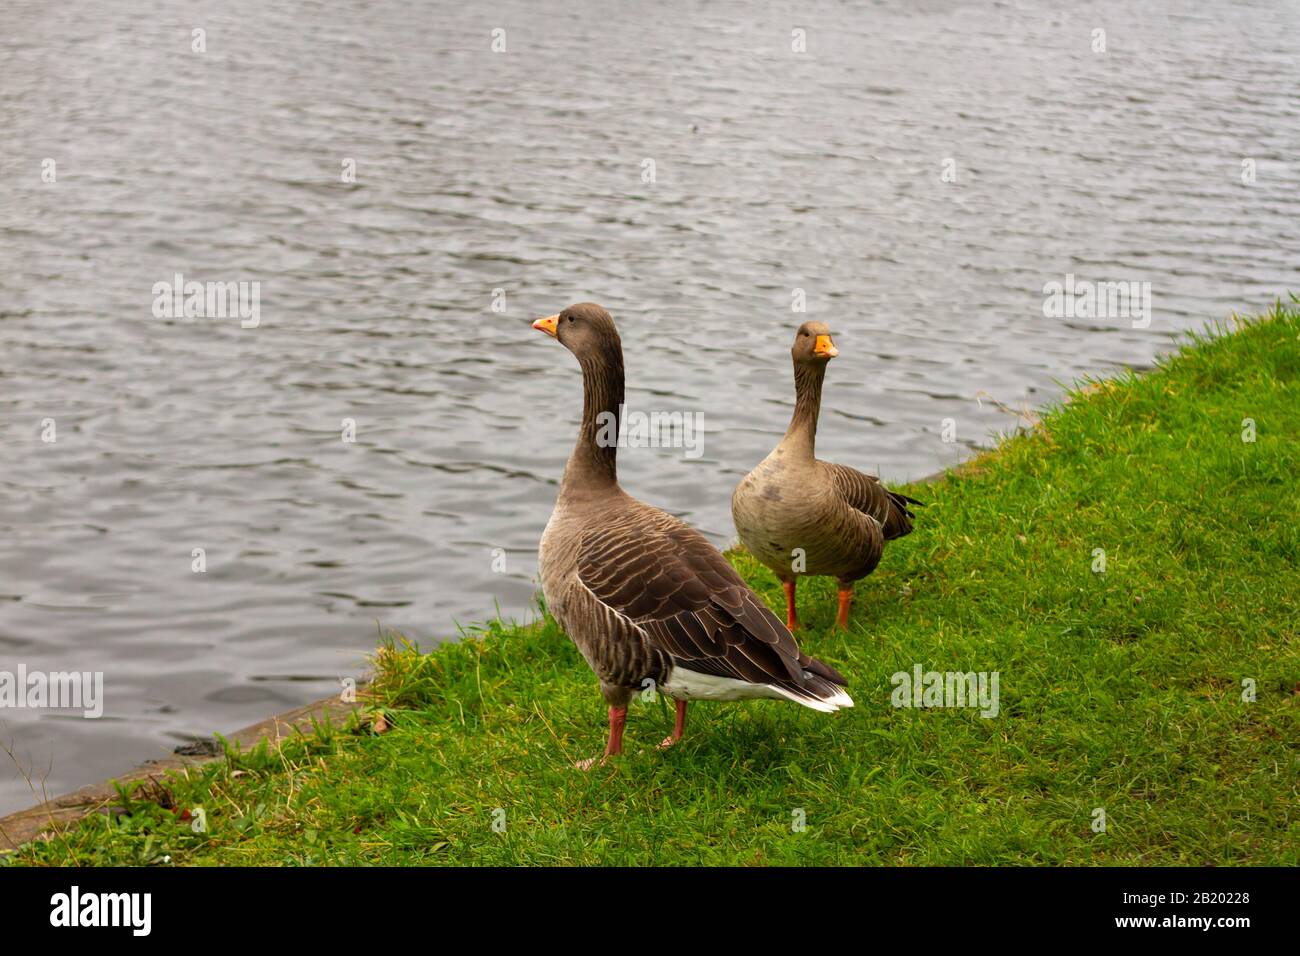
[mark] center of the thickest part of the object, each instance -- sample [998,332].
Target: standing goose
[799,515]
[644,596]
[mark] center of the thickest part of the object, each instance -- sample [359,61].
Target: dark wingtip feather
[823,670]
[899,521]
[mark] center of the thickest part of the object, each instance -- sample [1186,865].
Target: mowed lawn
[1158,696]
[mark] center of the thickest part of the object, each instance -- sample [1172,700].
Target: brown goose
[645,597]
[799,515]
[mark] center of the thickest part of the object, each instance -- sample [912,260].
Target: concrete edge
[41,821]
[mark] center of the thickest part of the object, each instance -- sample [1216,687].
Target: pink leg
[846,598]
[678,728]
[791,618]
[617,721]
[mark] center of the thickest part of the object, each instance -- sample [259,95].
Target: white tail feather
[828,705]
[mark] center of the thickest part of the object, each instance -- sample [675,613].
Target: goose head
[584,329]
[813,345]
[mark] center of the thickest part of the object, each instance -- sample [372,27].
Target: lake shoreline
[464,754]
[36,822]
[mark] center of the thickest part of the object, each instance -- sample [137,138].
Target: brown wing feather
[866,494]
[690,603]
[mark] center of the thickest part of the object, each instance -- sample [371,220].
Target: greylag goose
[798,515]
[646,599]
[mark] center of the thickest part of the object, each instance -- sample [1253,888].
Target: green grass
[1121,691]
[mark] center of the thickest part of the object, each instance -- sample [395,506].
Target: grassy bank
[1120,691]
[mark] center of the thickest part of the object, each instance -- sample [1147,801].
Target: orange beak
[547,325]
[824,346]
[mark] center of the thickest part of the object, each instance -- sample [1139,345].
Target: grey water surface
[524,170]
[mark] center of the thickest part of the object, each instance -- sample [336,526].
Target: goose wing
[689,602]
[865,493]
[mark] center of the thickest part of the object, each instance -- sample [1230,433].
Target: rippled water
[523,171]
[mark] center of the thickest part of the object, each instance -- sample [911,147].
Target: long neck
[801,436]
[593,462]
